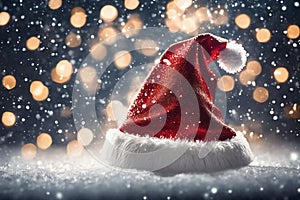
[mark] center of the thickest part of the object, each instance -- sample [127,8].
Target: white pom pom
[233,58]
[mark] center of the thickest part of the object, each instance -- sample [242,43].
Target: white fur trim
[233,58]
[169,156]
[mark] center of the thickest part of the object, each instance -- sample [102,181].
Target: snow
[52,175]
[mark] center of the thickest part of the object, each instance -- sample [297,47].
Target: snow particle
[214,190]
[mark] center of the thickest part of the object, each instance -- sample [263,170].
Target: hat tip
[233,58]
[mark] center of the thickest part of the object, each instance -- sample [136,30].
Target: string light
[263,35]
[33,43]
[54,4]
[243,21]
[8,119]
[260,94]
[44,141]
[108,13]
[281,74]
[4,18]
[29,151]
[9,82]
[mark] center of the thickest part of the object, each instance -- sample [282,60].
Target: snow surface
[52,175]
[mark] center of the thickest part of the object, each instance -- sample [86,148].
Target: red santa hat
[173,125]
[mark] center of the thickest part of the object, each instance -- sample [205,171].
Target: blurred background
[44,43]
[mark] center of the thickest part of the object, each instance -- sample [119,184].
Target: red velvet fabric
[190,58]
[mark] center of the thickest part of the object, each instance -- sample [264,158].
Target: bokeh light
[8,118]
[33,43]
[183,4]
[263,35]
[147,47]
[254,67]
[246,77]
[78,17]
[4,18]
[98,51]
[293,32]
[116,111]
[85,136]
[74,149]
[108,13]
[281,74]
[131,4]
[107,35]
[9,82]
[39,91]
[64,68]
[243,21]
[226,83]
[44,141]
[29,151]
[58,79]
[122,59]
[89,78]
[132,25]
[260,94]
[292,111]
[73,40]
[54,4]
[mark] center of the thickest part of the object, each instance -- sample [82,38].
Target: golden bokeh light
[33,43]
[147,47]
[64,68]
[108,13]
[122,59]
[203,14]
[260,94]
[292,111]
[254,67]
[73,40]
[39,91]
[58,79]
[78,17]
[54,4]
[116,111]
[281,74]
[74,149]
[29,151]
[243,21]
[9,82]
[8,119]
[132,26]
[98,51]
[107,35]
[220,16]
[44,141]
[183,4]
[4,18]
[131,4]
[89,79]
[246,77]
[65,112]
[263,35]
[226,83]
[85,136]
[293,32]
[188,25]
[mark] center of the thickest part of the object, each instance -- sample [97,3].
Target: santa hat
[173,125]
